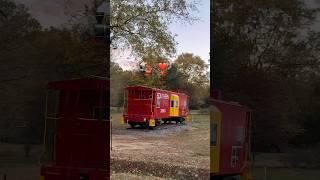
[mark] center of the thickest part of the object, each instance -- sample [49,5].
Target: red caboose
[78,133]
[230,140]
[149,107]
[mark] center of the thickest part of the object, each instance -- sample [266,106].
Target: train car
[230,140]
[149,107]
[77,131]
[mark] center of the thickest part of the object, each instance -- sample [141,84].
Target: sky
[195,38]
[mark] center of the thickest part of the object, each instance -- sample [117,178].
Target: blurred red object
[162,66]
[148,69]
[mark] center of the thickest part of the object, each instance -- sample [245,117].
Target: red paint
[233,116]
[82,140]
[142,103]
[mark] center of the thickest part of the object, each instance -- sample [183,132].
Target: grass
[285,174]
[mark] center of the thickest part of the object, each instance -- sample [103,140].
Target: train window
[185,104]
[213,133]
[158,102]
[177,104]
[239,135]
[172,104]
[100,112]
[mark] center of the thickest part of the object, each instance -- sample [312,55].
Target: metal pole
[111,133]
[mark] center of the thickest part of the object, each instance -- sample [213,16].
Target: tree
[30,57]
[140,26]
[192,67]
[16,28]
[143,25]
[263,51]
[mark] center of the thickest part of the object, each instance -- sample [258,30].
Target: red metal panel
[183,110]
[164,110]
[233,121]
[82,140]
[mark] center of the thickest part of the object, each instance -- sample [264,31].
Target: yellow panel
[174,111]
[152,122]
[121,120]
[187,118]
[215,118]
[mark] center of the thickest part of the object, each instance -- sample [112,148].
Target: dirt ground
[170,151]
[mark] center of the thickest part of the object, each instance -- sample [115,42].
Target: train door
[174,105]
[215,130]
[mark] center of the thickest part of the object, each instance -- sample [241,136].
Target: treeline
[31,56]
[187,73]
[266,56]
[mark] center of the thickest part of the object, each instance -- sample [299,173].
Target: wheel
[158,123]
[132,125]
[145,125]
[182,121]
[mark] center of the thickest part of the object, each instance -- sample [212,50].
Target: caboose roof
[88,83]
[235,104]
[139,87]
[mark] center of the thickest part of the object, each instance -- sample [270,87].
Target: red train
[77,135]
[149,107]
[230,140]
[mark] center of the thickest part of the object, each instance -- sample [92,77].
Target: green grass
[285,174]
[115,118]
[201,121]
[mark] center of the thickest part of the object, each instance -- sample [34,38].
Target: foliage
[176,80]
[192,67]
[264,53]
[143,25]
[30,57]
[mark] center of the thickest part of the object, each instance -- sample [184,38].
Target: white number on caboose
[163,110]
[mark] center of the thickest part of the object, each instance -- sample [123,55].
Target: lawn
[285,174]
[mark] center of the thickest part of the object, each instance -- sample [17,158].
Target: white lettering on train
[163,110]
[162,96]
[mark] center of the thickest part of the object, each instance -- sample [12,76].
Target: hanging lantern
[162,66]
[148,69]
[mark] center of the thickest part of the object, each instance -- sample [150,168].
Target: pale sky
[195,38]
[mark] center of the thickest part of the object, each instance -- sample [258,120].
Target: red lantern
[148,69]
[162,66]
